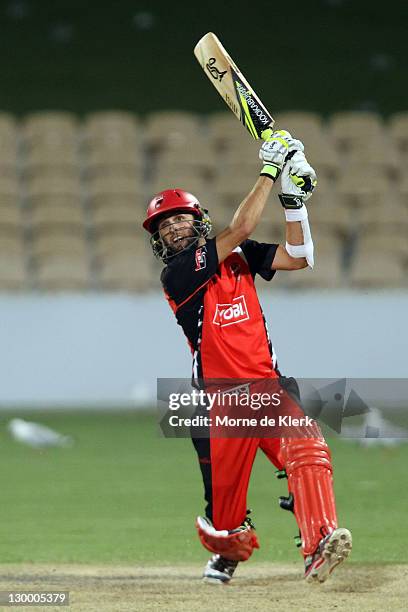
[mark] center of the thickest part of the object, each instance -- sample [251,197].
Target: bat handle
[267,133]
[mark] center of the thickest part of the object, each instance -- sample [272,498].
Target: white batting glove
[275,150]
[298,181]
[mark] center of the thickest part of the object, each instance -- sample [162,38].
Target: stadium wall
[107,350]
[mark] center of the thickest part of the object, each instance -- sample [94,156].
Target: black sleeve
[189,271]
[260,256]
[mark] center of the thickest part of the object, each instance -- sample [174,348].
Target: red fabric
[309,470]
[234,341]
[236,546]
[231,464]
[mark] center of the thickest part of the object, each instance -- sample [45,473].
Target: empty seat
[109,136]
[49,216]
[224,131]
[110,244]
[360,129]
[398,128]
[305,126]
[62,273]
[10,220]
[125,273]
[384,211]
[380,241]
[42,121]
[322,155]
[382,159]
[11,245]
[244,151]
[47,245]
[110,201]
[111,191]
[230,189]
[402,188]
[50,130]
[8,124]
[45,172]
[327,244]
[377,269]
[126,164]
[112,185]
[241,152]
[111,126]
[8,159]
[167,129]
[197,155]
[327,213]
[119,215]
[9,191]
[362,185]
[50,165]
[13,275]
[48,191]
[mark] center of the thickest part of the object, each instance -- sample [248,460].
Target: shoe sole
[215,581]
[335,551]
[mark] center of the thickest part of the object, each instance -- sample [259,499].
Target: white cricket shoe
[332,550]
[219,570]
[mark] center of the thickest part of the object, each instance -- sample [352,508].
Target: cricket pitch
[260,586]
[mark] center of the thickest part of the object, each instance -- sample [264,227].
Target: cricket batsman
[200,275]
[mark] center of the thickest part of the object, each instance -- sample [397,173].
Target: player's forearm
[249,212]
[294,233]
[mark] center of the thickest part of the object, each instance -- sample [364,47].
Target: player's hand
[298,181]
[275,151]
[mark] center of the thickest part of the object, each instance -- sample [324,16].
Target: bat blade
[232,85]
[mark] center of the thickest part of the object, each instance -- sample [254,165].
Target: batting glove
[298,181]
[275,151]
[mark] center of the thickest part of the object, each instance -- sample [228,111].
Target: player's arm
[245,219]
[298,181]
[249,212]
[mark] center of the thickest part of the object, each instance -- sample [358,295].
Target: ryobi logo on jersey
[228,314]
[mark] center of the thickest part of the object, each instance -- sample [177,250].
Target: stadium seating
[399,130]
[374,269]
[356,130]
[73,194]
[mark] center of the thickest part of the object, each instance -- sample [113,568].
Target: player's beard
[184,239]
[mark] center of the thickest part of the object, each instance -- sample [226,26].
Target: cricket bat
[232,85]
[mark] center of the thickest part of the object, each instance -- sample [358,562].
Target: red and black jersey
[218,308]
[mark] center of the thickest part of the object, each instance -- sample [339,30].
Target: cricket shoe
[332,550]
[219,570]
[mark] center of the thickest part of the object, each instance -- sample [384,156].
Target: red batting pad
[308,466]
[237,546]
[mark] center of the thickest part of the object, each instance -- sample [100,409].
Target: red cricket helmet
[171,200]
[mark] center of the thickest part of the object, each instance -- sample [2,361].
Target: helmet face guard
[168,203]
[200,227]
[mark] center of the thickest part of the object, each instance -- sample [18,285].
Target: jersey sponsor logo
[228,314]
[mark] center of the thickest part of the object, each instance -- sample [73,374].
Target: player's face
[176,231]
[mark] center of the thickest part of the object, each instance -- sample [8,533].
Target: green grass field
[125,495]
